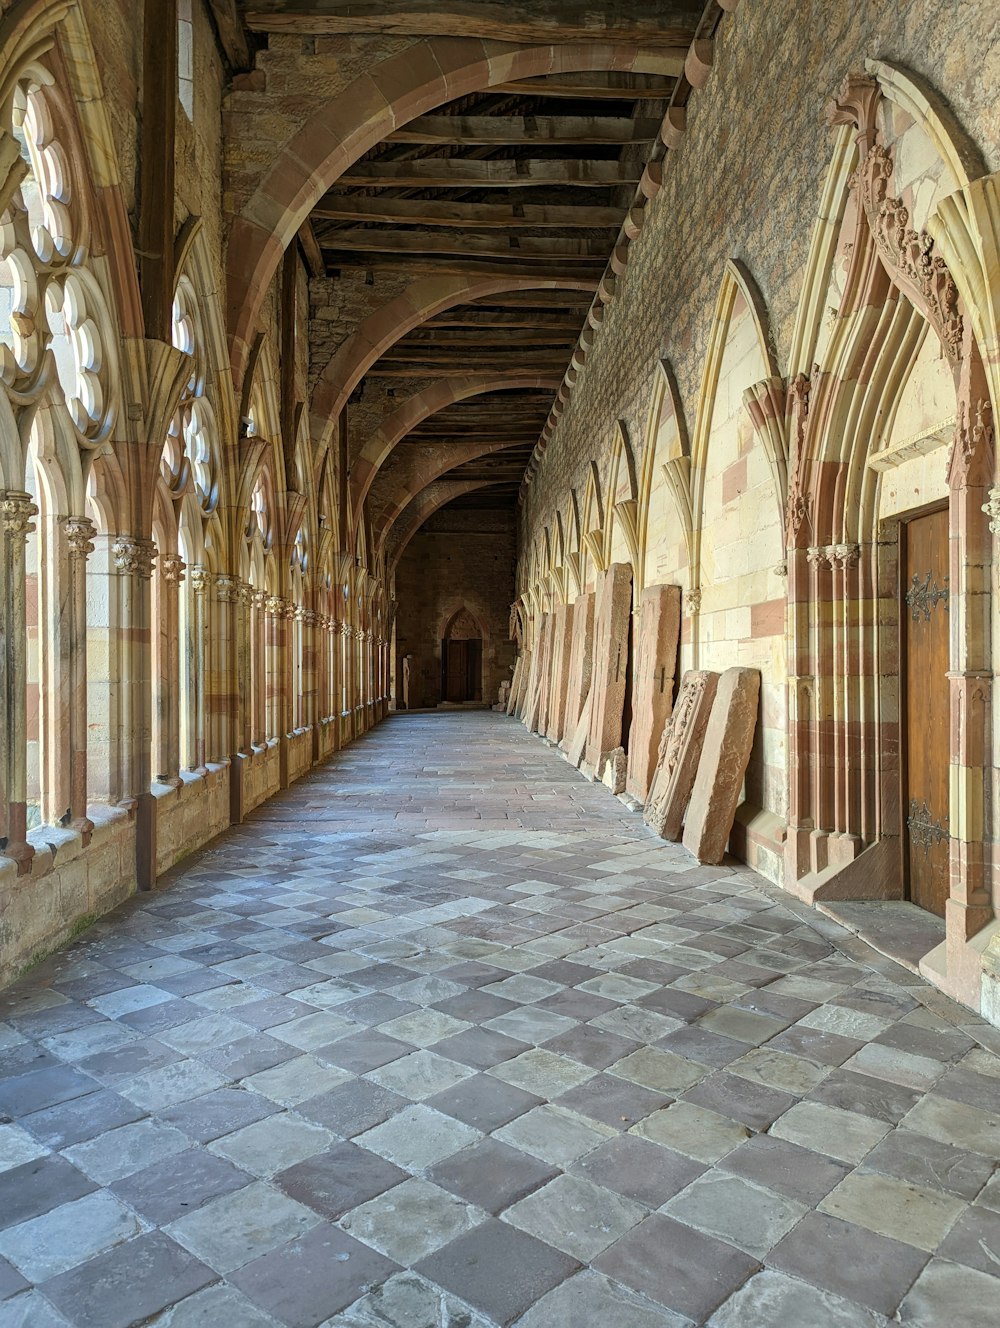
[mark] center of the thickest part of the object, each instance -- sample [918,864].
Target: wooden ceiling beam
[598,86]
[464,216]
[506,336]
[469,246]
[387,369]
[468,173]
[536,299]
[231,34]
[651,23]
[494,318]
[519,130]
[421,264]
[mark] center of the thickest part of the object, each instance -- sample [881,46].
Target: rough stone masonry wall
[458,558]
[745,184]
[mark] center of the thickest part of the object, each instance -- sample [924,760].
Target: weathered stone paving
[445,1036]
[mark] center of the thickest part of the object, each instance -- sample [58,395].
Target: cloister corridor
[442,1035]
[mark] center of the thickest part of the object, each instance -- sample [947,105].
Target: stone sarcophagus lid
[610,664]
[653,688]
[725,755]
[679,754]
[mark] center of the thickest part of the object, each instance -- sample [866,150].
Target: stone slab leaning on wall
[679,754]
[725,755]
[653,694]
[581,663]
[610,664]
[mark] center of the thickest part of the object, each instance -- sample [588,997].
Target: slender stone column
[167,755]
[222,701]
[258,646]
[79,539]
[201,583]
[133,561]
[16,511]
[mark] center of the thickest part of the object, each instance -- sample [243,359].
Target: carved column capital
[275,606]
[16,511]
[134,557]
[844,555]
[819,555]
[226,589]
[172,568]
[692,602]
[80,531]
[260,600]
[246,594]
[201,579]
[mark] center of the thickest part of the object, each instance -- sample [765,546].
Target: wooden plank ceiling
[530,179]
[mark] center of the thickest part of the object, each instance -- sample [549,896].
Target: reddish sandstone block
[653,691]
[725,754]
[679,753]
[610,661]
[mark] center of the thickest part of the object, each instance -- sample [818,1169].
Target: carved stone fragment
[725,754]
[612,771]
[562,647]
[578,742]
[610,663]
[679,752]
[581,664]
[653,692]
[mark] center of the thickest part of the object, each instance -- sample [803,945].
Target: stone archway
[462,659]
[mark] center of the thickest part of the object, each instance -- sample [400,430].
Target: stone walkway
[442,1036]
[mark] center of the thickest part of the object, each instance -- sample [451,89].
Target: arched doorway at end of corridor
[462,659]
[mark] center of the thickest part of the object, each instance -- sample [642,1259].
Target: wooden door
[458,671]
[924,640]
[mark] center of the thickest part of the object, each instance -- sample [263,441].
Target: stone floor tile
[554,1134]
[655,1068]
[746,1215]
[841,1134]
[178,1185]
[754,1105]
[924,1161]
[407,1300]
[36,1187]
[423,1027]
[23,1094]
[118,1153]
[215,1307]
[491,1174]
[362,1052]
[796,1172]
[11,1281]
[235,1228]
[949,1293]
[892,1207]
[312,1276]
[590,1298]
[881,1099]
[638,1169]
[484,1102]
[296,1080]
[420,1075]
[951,1122]
[771,1298]
[417,1137]
[849,1260]
[68,1235]
[576,1215]
[352,1107]
[974,1240]
[693,1130]
[676,1266]
[543,1073]
[411,1220]
[30,1311]
[17,1147]
[339,1179]
[310,1031]
[128,1284]
[477,1267]
[170,1084]
[273,1144]
[531,1024]
[217,1113]
[780,1070]
[612,1101]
